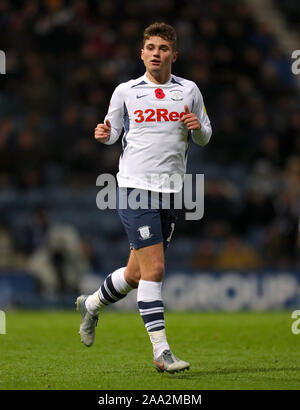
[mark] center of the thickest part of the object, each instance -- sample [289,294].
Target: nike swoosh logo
[161,366]
[141,96]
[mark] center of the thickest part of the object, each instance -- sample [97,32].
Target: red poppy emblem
[159,93]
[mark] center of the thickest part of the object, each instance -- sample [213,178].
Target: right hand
[102,132]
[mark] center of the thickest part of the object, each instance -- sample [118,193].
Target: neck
[158,77]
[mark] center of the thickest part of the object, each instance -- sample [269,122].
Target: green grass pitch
[41,350]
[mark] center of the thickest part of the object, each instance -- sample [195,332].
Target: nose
[156,53]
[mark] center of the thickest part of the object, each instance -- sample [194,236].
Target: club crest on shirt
[176,95]
[144,232]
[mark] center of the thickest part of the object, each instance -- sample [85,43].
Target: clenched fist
[190,120]
[102,132]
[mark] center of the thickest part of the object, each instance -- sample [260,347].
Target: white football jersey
[155,142]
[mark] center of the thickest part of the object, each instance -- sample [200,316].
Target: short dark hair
[162,30]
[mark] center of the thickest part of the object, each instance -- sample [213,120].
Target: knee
[132,277]
[156,273]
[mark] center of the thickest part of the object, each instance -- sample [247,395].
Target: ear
[175,56]
[142,54]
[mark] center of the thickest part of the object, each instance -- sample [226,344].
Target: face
[158,55]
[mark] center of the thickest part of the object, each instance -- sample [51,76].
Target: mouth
[155,62]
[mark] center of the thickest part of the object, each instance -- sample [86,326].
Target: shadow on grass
[218,372]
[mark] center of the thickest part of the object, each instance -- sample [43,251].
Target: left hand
[190,120]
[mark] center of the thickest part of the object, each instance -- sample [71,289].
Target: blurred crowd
[63,61]
[291,12]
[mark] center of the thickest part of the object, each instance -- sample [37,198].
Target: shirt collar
[146,79]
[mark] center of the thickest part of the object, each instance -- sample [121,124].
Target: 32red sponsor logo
[160,114]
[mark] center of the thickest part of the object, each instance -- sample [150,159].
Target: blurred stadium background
[63,61]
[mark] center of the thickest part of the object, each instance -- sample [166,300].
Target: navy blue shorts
[145,227]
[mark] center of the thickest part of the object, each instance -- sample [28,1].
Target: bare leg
[151,262]
[132,273]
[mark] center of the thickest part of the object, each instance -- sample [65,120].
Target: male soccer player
[159,112]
